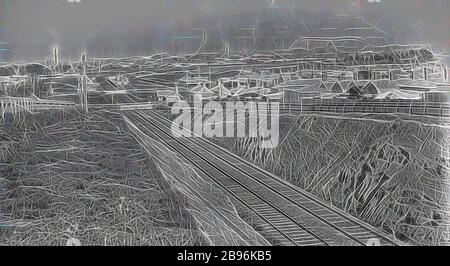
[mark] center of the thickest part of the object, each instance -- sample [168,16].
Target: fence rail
[413,107]
[404,107]
[18,105]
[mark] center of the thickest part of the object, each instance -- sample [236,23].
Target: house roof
[197,88]
[201,89]
[354,90]
[352,84]
[220,89]
[337,87]
[299,83]
[242,89]
[400,94]
[165,93]
[264,91]
[323,86]
[359,89]
[305,86]
[370,88]
[278,95]
[420,85]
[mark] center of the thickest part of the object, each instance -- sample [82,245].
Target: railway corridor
[288,214]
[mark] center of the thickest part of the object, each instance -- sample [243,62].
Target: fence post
[301,107]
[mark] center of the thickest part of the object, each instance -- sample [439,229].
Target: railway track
[289,215]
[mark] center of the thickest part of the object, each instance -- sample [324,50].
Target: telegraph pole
[83,88]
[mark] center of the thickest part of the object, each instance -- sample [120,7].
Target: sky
[58,21]
[31,19]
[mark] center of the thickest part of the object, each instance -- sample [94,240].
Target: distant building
[167,96]
[337,87]
[437,96]
[397,95]
[221,91]
[296,90]
[367,90]
[416,85]
[200,92]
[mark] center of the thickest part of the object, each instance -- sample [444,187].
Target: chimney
[425,74]
[55,56]
[445,74]
[84,59]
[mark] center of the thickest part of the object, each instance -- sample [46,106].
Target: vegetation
[68,179]
[389,172]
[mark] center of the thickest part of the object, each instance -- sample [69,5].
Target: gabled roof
[218,88]
[352,84]
[331,45]
[205,90]
[323,87]
[337,87]
[241,90]
[221,90]
[197,88]
[354,89]
[165,93]
[370,88]
[201,89]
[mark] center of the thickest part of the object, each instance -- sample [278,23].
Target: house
[370,89]
[273,96]
[395,94]
[200,92]
[167,96]
[221,91]
[359,90]
[416,85]
[337,87]
[354,90]
[295,90]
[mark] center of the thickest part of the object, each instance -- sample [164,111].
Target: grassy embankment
[392,173]
[68,179]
